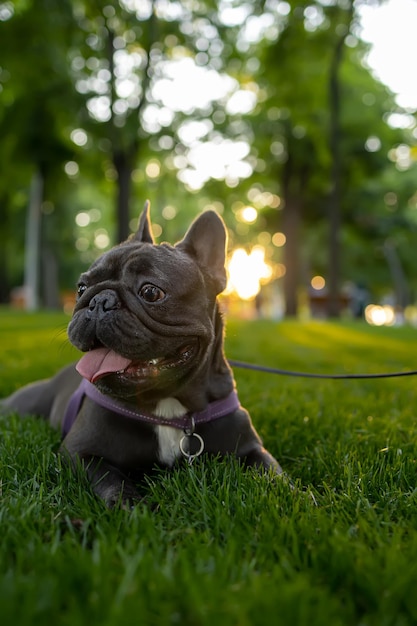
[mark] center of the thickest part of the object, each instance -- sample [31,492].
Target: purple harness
[214,410]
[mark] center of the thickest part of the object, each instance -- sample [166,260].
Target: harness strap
[214,410]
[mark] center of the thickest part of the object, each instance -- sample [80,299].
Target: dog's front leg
[262,459]
[109,483]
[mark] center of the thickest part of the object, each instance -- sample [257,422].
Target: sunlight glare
[186,86]
[221,160]
[390,27]
[247,272]
[241,102]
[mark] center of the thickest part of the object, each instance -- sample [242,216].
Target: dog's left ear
[144,231]
[206,241]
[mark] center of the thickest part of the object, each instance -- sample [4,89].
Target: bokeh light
[248,214]
[378,315]
[279,239]
[318,282]
[82,219]
[101,239]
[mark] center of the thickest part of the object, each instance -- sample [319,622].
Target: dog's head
[147,316]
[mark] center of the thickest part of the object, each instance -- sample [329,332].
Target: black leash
[274,370]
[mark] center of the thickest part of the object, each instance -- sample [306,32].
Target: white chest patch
[169,438]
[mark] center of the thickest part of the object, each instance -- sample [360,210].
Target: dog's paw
[125,496]
[122,494]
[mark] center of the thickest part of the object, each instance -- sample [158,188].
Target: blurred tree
[131,55]
[341,21]
[111,64]
[109,99]
[320,134]
[32,118]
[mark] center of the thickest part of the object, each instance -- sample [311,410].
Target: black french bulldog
[155,385]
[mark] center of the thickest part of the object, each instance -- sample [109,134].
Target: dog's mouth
[101,362]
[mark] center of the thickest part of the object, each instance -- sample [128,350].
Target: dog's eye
[151,293]
[80,289]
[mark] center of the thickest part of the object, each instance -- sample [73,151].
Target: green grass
[218,545]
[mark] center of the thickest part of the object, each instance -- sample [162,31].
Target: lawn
[218,545]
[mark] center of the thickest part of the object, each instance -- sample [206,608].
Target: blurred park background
[267,111]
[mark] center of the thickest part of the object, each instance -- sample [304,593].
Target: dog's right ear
[206,241]
[144,231]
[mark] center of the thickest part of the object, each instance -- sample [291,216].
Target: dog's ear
[206,241]
[144,231]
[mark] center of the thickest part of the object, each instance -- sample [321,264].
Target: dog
[153,386]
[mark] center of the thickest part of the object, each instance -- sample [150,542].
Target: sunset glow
[247,272]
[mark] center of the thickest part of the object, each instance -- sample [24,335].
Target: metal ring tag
[190,457]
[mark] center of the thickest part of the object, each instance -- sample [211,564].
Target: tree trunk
[5,236]
[50,282]
[334,204]
[124,137]
[291,227]
[291,219]
[397,274]
[32,244]
[4,282]
[123,166]
[334,209]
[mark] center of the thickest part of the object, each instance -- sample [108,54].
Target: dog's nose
[106,300]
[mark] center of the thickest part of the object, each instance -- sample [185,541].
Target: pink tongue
[97,363]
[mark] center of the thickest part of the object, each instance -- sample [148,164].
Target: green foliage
[60,59]
[215,543]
